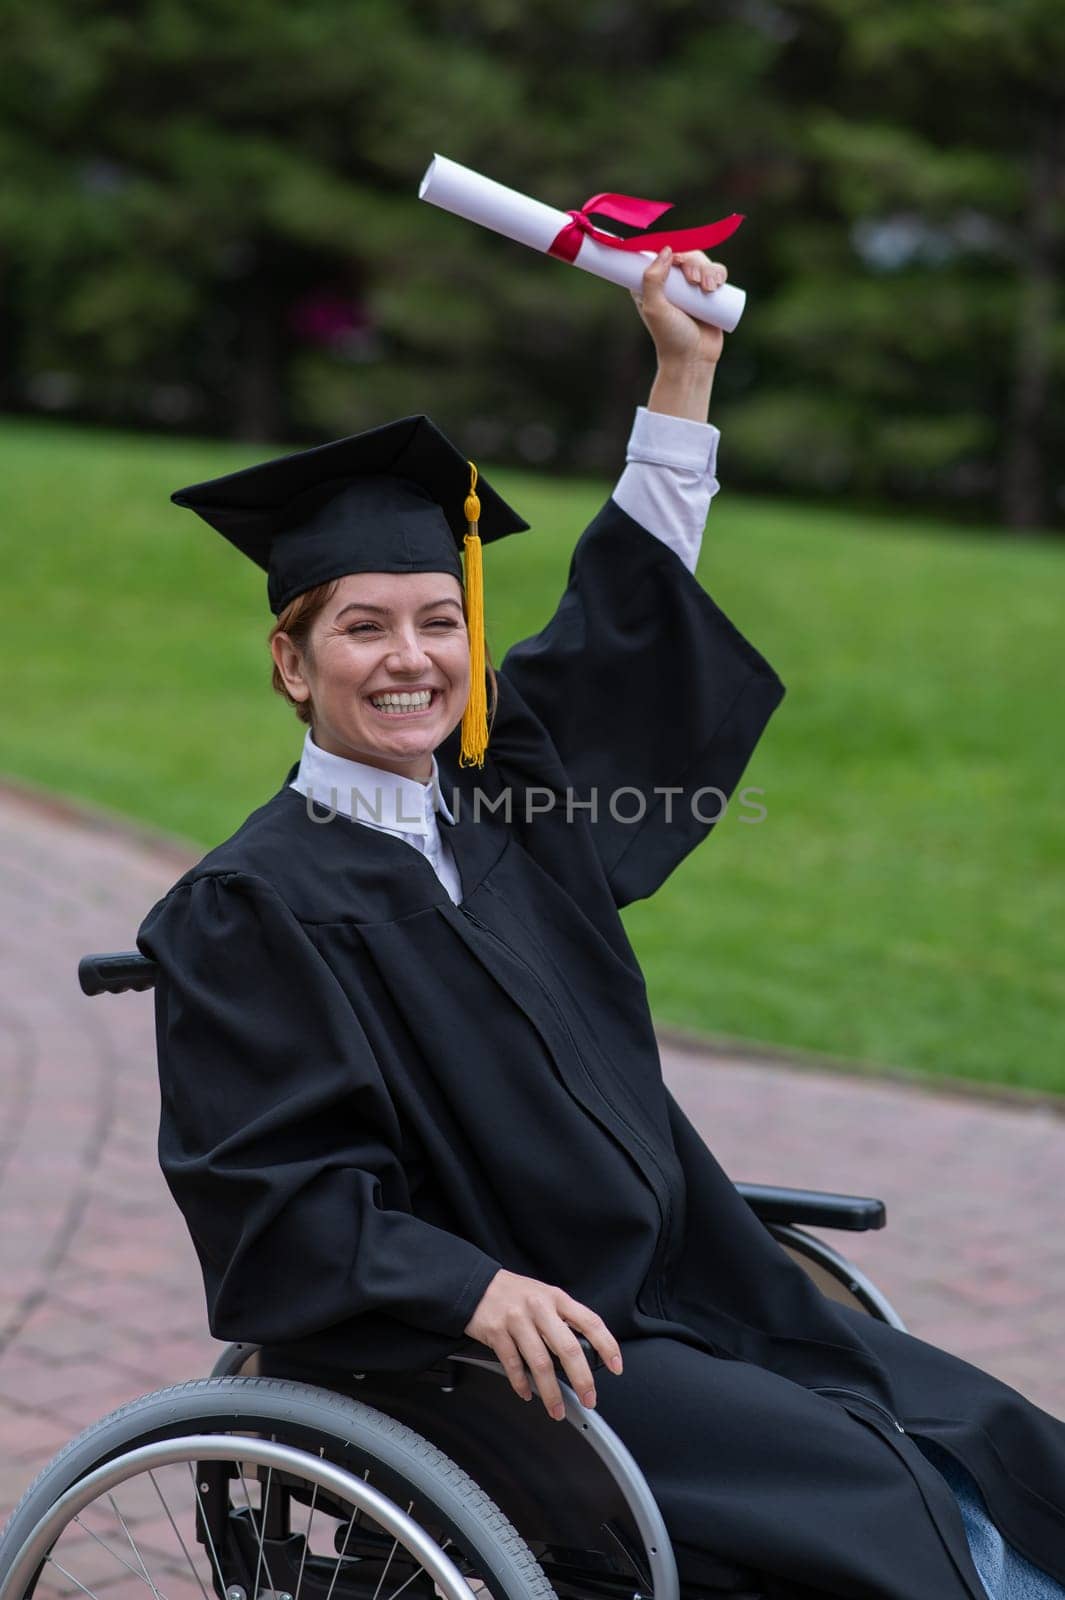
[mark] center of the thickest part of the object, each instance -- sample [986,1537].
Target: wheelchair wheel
[259,1489]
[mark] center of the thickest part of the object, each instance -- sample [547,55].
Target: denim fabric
[1006,1575]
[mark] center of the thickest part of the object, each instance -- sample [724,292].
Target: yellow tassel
[475,716]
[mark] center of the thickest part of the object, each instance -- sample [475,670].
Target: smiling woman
[379,665]
[411,1097]
[330,525]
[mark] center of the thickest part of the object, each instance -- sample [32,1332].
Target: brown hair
[298,618]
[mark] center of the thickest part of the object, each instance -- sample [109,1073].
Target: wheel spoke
[52,1562]
[264,1503]
[115,1554]
[207,1529]
[341,1555]
[413,1575]
[388,1563]
[133,1547]
[306,1544]
[262,1532]
[177,1534]
[641,1577]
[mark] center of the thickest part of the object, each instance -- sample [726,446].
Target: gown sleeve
[278,1137]
[651,696]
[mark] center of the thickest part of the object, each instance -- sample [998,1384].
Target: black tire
[402,1465]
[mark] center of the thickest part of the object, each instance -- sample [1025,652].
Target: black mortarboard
[399,498]
[388,500]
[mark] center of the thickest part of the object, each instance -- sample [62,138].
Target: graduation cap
[399,498]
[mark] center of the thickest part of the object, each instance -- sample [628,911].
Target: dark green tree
[208,220]
[919,295]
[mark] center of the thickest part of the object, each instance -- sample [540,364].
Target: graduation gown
[373,1098]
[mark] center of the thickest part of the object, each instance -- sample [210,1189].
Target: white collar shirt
[386,801]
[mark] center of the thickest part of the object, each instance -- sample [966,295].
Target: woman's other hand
[679,337]
[524,1320]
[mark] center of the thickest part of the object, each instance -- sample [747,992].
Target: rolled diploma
[478,199]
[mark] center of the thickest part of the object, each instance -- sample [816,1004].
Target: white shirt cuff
[670,479]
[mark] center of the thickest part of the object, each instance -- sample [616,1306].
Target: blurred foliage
[209,223]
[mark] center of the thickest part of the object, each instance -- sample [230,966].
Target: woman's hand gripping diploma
[523,1320]
[687,350]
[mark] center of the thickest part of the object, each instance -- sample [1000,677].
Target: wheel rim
[282,1523]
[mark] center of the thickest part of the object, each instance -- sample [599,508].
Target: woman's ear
[289,661]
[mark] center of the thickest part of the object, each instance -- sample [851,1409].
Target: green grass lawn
[902,902]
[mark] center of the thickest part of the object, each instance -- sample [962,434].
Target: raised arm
[653,699]
[670,475]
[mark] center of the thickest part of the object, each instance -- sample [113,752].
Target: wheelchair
[268,1481]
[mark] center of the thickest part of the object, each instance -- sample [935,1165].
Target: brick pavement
[100,1295]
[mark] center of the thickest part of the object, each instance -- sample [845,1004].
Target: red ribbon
[627,208]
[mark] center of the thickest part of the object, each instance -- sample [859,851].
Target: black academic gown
[373,1098]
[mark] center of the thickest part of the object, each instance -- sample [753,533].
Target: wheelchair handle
[115,971]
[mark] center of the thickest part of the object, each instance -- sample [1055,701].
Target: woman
[411,1096]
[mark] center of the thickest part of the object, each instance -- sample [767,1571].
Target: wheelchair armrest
[594,1359]
[473,1347]
[852,1212]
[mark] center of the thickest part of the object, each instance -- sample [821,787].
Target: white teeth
[417,701]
